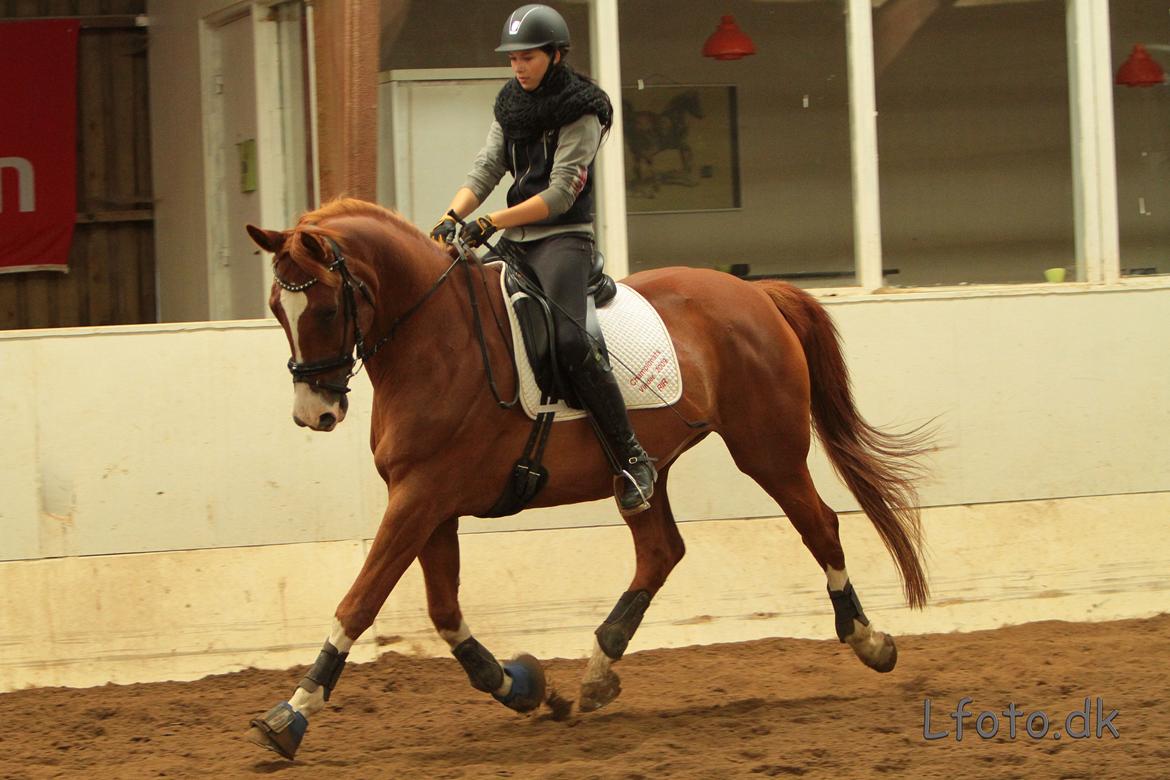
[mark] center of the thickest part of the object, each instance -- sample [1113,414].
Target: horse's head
[687,102]
[324,302]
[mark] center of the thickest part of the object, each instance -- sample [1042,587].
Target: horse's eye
[327,314]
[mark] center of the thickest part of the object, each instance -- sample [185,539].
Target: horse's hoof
[280,730]
[528,684]
[884,659]
[595,694]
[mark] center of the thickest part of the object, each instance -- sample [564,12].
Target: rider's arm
[577,145]
[463,203]
[532,210]
[487,170]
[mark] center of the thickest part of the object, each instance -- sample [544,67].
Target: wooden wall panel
[111,277]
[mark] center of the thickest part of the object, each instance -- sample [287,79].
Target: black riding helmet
[534,26]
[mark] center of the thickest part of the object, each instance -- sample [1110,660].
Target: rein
[302,372]
[487,363]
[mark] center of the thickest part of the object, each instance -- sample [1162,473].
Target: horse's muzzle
[320,411]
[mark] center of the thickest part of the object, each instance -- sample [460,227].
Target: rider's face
[529,67]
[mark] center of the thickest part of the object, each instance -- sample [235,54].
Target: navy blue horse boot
[528,684]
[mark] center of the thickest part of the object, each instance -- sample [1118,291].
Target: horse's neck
[407,275]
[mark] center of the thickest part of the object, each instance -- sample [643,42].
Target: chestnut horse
[760,361]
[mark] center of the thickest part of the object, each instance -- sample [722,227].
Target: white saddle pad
[640,351]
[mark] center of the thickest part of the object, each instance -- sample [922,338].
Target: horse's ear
[313,246]
[268,240]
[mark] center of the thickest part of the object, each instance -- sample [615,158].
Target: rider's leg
[561,263]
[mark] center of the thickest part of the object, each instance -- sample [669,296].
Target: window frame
[1094,168]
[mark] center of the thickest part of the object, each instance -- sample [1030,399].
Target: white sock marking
[866,642]
[599,664]
[837,578]
[458,637]
[307,703]
[338,639]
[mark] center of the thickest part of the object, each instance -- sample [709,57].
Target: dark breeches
[561,265]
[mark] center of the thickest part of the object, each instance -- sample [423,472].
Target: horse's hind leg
[658,547]
[792,487]
[518,684]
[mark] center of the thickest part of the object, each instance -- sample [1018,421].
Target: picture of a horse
[681,148]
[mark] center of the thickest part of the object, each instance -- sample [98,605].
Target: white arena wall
[162,518]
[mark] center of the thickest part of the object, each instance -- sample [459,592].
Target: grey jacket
[577,146]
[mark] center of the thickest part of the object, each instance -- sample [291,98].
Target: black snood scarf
[562,97]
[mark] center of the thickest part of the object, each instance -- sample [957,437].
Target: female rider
[549,123]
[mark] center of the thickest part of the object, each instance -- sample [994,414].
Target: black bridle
[351,286]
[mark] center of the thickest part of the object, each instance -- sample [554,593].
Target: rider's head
[536,39]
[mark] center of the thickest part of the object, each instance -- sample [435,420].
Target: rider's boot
[634,471]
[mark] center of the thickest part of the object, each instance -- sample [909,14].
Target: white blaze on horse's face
[311,408]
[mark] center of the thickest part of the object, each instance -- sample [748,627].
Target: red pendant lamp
[728,42]
[1140,70]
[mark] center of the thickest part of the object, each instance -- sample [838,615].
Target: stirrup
[624,478]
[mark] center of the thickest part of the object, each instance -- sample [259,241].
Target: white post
[610,167]
[1098,254]
[270,163]
[867,221]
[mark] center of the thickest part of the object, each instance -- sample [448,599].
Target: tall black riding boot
[598,391]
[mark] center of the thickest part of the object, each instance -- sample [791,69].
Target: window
[1142,133]
[781,118]
[974,140]
[458,34]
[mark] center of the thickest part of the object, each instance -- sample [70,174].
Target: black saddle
[536,322]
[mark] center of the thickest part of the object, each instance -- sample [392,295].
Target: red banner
[38,144]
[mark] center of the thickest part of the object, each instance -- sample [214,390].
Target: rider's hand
[444,231]
[475,233]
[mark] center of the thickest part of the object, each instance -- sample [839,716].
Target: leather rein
[309,372]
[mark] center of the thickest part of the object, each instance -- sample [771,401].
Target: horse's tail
[878,466]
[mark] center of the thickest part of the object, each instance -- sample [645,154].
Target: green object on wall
[247,152]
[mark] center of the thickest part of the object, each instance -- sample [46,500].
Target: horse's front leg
[405,528]
[518,684]
[687,155]
[658,547]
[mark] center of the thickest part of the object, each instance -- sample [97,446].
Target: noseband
[351,286]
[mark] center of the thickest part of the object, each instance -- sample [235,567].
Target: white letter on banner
[25,182]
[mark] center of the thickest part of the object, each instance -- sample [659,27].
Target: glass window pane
[1142,130]
[430,128]
[459,34]
[974,140]
[745,163]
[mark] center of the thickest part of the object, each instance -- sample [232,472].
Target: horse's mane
[312,224]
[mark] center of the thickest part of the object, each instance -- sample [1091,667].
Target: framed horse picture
[682,148]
